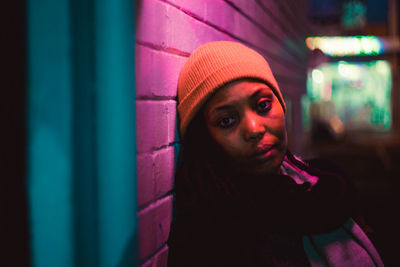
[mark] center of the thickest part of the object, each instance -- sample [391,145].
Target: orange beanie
[213,65]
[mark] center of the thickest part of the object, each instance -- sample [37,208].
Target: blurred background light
[349,95]
[317,76]
[354,14]
[346,45]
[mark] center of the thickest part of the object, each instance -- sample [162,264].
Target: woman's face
[246,119]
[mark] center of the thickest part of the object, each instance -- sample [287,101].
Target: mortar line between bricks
[267,32]
[278,59]
[154,203]
[169,50]
[165,146]
[172,144]
[156,98]
[153,254]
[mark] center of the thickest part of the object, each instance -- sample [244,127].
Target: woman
[242,199]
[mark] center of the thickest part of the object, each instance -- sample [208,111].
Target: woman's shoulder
[326,165]
[331,173]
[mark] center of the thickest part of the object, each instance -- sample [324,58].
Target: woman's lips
[263,153]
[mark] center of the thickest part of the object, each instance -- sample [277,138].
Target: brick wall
[167,32]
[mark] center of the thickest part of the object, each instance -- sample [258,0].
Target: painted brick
[149,263]
[147,233]
[163,217]
[213,12]
[220,14]
[267,22]
[164,170]
[154,224]
[258,15]
[157,73]
[164,25]
[145,178]
[161,259]
[283,20]
[155,174]
[197,8]
[295,14]
[273,8]
[156,124]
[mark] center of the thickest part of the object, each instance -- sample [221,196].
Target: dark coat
[265,226]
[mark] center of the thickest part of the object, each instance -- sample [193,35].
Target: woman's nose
[252,127]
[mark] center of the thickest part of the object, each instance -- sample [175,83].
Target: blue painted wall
[81,178]
[116,138]
[50,159]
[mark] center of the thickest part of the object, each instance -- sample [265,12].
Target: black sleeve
[338,191]
[332,201]
[192,243]
[327,205]
[357,212]
[322,208]
[204,240]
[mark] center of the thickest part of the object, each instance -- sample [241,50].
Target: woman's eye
[264,105]
[226,122]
